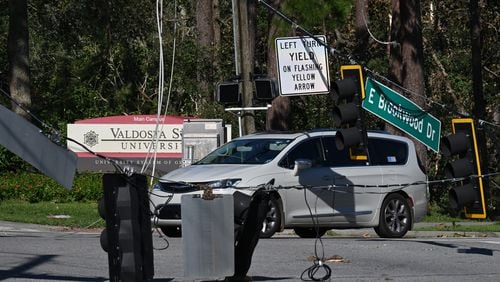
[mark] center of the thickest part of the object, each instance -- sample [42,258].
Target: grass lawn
[85,215]
[73,214]
[461,227]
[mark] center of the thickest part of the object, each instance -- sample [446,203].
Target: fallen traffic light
[127,237]
[462,146]
[249,215]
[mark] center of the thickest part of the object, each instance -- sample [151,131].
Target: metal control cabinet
[208,236]
[200,137]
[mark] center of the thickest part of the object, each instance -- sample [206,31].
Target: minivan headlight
[224,183]
[174,187]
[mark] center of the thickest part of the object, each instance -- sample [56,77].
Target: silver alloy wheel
[272,221]
[396,215]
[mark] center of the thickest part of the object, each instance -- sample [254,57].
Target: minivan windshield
[246,151]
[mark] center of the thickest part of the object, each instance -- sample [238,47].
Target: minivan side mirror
[300,165]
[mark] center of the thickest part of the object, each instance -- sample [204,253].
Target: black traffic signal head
[347,114]
[127,237]
[264,89]
[228,93]
[462,146]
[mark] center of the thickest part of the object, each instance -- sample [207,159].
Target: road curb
[8,226]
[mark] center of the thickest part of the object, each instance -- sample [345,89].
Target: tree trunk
[248,16]
[477,83]
[362,35]
[406,58]
[217,39]
[204,27]
[477,77]
[18,53]
[395,58]
[279,115]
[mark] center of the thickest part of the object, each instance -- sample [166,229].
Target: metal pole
[236,36]
[240,131]
[237,49]
[241,110]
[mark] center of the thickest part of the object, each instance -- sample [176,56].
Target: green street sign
[397,110]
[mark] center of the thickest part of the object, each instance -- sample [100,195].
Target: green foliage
[87,187]
[4,66]
[89,60]
[318,16]
[101,58]
[10,162]
[35,187]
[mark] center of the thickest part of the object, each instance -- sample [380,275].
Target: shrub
[35,187]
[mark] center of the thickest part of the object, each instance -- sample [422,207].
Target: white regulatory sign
[302,66]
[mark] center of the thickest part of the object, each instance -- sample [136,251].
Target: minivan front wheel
[272,222]
[310,232]
[395,217]
[172,231]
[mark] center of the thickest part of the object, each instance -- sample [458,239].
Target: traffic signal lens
[345,113]
[462,196]
[344,89]
[454,144]
[104,240]
[264,89]
[348,137]
[459,168]
[228,93]
[101,208]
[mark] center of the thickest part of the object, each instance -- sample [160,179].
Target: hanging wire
[154,140]
[310,273]
[393,43]
[351,60]
[172,68]
[161,83]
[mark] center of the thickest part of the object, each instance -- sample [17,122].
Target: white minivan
[316,187]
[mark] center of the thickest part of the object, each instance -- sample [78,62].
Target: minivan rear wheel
[395,217]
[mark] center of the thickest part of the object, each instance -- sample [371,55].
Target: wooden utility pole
[477,85]
[244,34]
[18,55]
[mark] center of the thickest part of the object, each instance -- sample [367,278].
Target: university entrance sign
[128,140]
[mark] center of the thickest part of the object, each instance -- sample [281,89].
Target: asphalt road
[37,253]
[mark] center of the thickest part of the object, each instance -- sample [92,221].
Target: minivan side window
[387,151]
[309,149]
[337,158]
